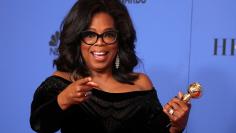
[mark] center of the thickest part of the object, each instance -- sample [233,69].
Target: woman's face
[100,55]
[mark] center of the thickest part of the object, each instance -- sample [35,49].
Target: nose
[99,42]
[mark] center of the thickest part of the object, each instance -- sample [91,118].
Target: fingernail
[93,83]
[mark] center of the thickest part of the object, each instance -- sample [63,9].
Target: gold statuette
[194,91]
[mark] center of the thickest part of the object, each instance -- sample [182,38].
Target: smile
[99,56]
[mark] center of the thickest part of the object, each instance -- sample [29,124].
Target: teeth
[99,53]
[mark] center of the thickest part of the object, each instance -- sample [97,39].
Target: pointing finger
[83,81]
[92,84]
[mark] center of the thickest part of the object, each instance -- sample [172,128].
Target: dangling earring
[117,63]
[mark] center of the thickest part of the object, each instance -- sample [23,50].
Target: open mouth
[100,55]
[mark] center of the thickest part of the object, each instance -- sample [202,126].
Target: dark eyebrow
[108,29]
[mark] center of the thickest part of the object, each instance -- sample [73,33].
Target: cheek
[114,49]
[84,51]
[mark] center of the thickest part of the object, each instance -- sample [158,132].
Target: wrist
[62,103]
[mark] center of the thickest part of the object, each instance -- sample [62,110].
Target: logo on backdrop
[54,43]
[133,1]
[224,47]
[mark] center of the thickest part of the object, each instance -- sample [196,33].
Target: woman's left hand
[178,112]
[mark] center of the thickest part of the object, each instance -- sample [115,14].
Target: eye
[88,37]
[88,34]
[110,34]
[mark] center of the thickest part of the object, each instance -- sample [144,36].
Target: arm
[157,120]
[176,122]
[46,115]
[52,98]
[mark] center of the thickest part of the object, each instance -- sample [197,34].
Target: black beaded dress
[103,112]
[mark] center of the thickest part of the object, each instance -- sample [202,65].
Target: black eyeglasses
[90,37]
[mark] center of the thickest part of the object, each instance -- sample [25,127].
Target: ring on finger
[87,93]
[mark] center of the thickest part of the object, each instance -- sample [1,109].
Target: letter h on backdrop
[223,47]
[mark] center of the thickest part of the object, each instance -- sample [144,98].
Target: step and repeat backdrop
[178,42]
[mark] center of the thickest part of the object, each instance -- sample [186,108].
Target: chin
[101,68]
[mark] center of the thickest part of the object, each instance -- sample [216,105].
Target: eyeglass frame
[99,36]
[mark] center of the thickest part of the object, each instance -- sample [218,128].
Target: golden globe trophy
[194,91]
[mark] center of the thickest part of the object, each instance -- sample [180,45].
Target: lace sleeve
[157,120]
[46,115]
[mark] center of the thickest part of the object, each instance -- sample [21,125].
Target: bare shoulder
[62,75]
[144,82]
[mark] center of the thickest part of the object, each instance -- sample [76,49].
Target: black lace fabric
[103,112]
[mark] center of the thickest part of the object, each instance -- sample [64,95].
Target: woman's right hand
[76,93]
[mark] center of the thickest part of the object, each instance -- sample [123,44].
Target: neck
[101,76]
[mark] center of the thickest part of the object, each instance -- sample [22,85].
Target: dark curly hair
[78,20]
